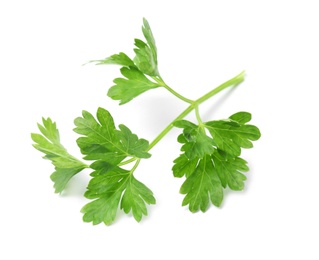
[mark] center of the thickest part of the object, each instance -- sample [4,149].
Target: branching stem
[194,104]
[135,165]
[127,161]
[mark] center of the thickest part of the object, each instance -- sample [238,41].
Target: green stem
[128,161]
[170,126]
[235,81]
[135,166]
[232,82]
[162,83]
[200,122]
[178,95]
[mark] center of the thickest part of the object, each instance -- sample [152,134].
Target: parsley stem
[127,161]
[177,94]
[200,122]
[135,166]
[232,82]
[170,126]
[194,104]
[163,84]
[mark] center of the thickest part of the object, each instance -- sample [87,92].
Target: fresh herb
[209,161]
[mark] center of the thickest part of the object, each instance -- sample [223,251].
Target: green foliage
[116,59]
[209,161]
[137,72]
[108,147]
[183,166]
[146,53]
[66,166]
[196,143]
[135,197]
[230,135]
[102,139]
[134,84]
[202,186]
[229,170]
[111,189]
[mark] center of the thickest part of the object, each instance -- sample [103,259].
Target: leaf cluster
[211,162]
[106,147]
[66,166]
[111,185]
[140,74]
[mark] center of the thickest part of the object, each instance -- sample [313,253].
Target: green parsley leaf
[149,38]
[229,170]
[66,166]
[197,143]
[241,117]
[184,166]
[116,59]
[135,72]
[111,185]
[132,144]
[134,84]
[230,135]
[135,198]
[212,163]
[202,186]
[111,189]
[102,140]
[146,53]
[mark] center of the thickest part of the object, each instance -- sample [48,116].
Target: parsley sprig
[210,151]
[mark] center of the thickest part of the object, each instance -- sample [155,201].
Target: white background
[200,45]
